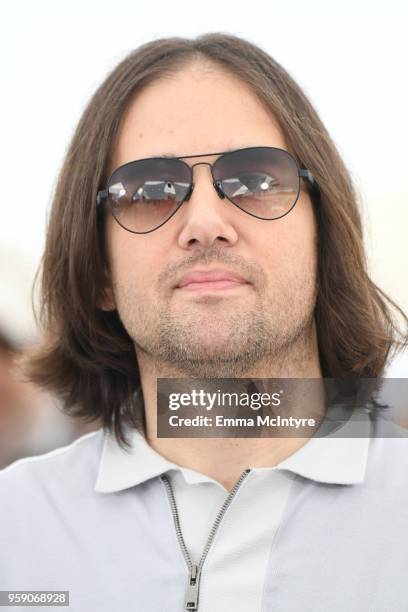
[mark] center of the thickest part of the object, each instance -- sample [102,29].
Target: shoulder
[388,456]
[44,501]
[60,468]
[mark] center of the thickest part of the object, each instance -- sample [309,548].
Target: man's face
[217,333]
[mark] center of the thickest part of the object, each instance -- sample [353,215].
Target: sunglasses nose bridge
[215,185]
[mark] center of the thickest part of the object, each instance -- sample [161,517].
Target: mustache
[249,269]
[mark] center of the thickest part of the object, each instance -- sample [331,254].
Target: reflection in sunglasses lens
[263,182]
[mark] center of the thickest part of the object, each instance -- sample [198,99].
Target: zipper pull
[191,599]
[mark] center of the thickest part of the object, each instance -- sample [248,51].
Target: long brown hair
[87,358]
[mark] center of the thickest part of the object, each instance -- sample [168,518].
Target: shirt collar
[331,459]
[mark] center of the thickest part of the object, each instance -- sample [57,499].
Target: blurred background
[349,57]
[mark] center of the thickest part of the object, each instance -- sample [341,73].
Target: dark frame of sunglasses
[103,194]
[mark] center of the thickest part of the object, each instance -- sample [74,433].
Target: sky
[349,58]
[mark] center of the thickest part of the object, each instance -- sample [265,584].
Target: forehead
[197,110]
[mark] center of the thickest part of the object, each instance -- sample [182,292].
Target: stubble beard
[230,341]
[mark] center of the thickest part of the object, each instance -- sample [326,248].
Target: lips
[209,276]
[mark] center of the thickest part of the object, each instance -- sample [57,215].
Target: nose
[207,216]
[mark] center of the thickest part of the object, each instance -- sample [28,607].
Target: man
[192,268]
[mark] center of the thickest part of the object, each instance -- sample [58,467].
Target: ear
[106,298]
[106,301]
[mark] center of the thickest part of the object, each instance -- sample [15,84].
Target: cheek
[291,244]
[132,266]
[127,270]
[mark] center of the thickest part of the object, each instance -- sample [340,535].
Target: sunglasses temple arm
[102,195]
[309,177]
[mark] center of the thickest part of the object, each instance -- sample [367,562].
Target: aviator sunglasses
[264,182]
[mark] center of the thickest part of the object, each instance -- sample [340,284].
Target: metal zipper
[194,570]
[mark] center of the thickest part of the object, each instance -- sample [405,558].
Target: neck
[224,459]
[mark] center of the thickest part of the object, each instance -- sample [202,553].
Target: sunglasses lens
[144,194]
[262,181]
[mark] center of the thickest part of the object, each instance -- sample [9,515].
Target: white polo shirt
[323,530]
[243,542]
